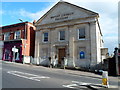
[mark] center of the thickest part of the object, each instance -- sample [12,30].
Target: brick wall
[29,33]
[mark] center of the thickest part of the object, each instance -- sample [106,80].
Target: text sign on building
[62,16]
[14,49]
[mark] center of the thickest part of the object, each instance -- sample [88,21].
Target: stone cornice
[65,23]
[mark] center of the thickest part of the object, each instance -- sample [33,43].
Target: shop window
[7,36]
[81,33]
[7,54]
[82,55]
[45,37]
[62,35]
[17,35]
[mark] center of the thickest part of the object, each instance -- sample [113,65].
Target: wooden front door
[61,55]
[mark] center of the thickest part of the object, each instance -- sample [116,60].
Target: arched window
[82,55]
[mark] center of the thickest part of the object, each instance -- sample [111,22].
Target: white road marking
[81,83]
[70,85]
[76,84]
[27,75]
[40,77]
[22,73]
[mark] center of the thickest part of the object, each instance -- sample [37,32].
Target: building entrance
[61,55]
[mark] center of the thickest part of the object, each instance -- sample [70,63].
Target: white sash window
[17,35]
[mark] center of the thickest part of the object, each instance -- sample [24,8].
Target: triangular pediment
[63,11]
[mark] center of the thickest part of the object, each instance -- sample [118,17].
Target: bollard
[105,78]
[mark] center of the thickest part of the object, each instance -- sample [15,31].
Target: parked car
[99,72]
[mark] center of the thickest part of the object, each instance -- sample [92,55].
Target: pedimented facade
[71,33]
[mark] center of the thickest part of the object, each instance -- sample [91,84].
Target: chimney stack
[34,22]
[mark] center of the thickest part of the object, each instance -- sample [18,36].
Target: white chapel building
[69,32]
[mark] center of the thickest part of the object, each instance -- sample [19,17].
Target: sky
[28,10]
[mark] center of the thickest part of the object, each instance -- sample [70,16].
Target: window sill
[17,38]
[62,40]
[82,39]
[82,59]
[45,42]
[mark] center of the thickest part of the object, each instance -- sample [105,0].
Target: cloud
[59,0]
[1,12]
[111,42]
[109,25]
[36,15]
[29,0]
[91,0]
[33,16]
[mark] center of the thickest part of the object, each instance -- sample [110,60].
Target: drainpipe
[90,45]
[68,54]
[25,38]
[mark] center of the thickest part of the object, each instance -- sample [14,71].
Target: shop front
[9,54]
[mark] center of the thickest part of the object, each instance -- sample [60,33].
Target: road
[28,76]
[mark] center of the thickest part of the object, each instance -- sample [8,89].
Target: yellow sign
[104,81]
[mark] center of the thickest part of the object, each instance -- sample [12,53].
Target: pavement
[77,73]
